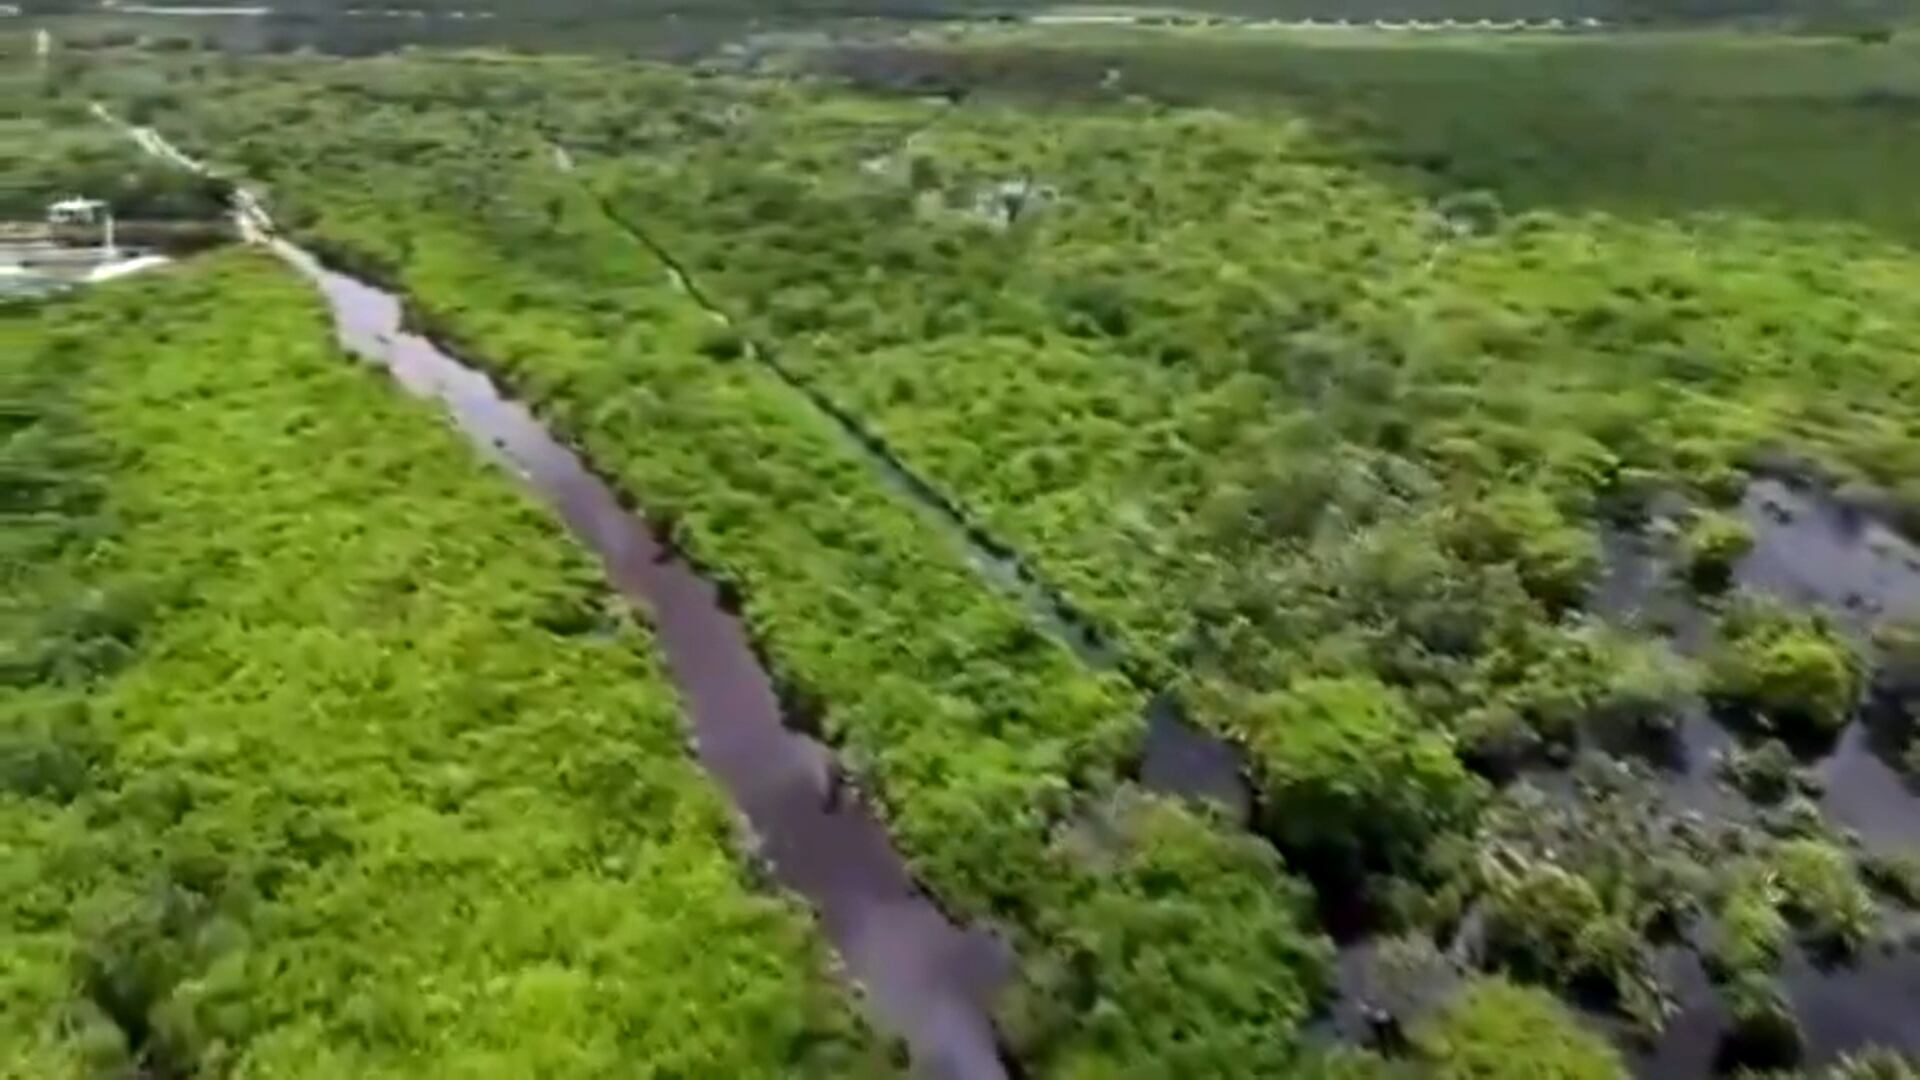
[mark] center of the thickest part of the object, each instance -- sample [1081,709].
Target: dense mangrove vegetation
[324,754]
[1505,450]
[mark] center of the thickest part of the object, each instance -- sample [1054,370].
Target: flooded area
[926,978]
[1181,759]
[1872,1001]
[1810,549]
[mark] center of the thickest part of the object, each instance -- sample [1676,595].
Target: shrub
[1764,1033]
[1539,922]
[1873,1064]
[1555,559]
[1896,672]
[1145,925]
[1644,683]
[1351,778]
[1712,546]
[1752,933]
[1496,1030]
[1475,212]
[1764,773]
[1894,875]
[1821,892]
[1791,670]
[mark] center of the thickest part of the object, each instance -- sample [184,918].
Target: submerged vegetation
[1320,383]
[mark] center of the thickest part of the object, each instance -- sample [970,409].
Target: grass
[302,782]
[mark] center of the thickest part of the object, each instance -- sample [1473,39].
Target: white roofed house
[78,211]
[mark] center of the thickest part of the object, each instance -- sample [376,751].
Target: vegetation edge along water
[294,655]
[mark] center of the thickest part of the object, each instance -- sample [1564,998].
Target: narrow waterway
[1177,756]
[926,978]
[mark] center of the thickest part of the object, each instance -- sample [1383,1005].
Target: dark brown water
[926,979]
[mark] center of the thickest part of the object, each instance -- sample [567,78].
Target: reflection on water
[1810,549]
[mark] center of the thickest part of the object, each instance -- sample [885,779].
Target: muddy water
[926,979]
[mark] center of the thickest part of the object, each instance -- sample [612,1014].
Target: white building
[78,211]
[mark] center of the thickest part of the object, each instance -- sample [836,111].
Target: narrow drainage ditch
[926,978]
[1809,550]
[1177,756]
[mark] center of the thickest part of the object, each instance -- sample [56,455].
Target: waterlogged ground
[1498,581]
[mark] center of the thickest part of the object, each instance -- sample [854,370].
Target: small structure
[79,211]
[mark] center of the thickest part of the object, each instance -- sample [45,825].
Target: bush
[1349,776]
[1896,673]
[1752,934]
[1555,559]
[1476,212]
[1894,875]
[1874,1064]
[1496,1030]
[1145,927]
[1764,773]
[1645,684]
[1821,893]
[1791,670]
[1764,1033]
[1540,921]
[1712,546]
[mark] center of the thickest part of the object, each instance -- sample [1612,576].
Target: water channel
[926,978]
[932,981]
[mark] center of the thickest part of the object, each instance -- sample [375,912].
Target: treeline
[1819,12]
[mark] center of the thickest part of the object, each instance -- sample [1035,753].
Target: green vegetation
[981,738]
[1348,777]
[1711,546]
[1572,893]
[1752,932]
[1821,892]
[323,753]
[1895,875]
[1765,773]
[1314,373]
[1497,1030]
[54,148]
[1792,671]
